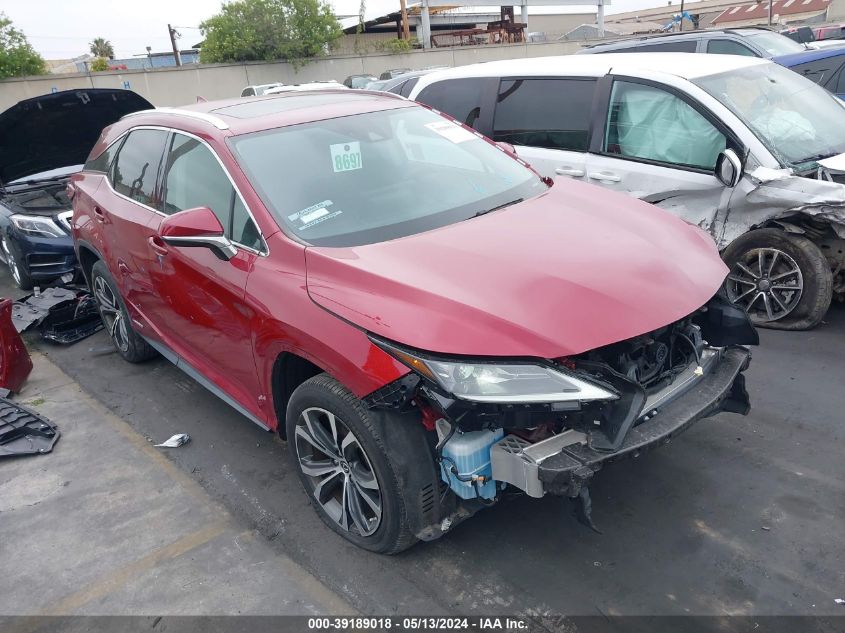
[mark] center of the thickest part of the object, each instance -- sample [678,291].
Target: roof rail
[217,122]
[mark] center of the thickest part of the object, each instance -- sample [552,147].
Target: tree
[101,47]
[250,30]
[99,64]
[17,57]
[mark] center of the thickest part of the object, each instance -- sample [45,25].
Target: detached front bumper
[563,464]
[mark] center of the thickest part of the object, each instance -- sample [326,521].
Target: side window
[729,47]
[102,162]
[652,124]
[839,88]
[136,167]
[248,92]
[195,178]
[550,113]
[680,46]
[408,86]
[459,98]
[818,71]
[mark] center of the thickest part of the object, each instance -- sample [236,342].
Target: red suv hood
[574,269]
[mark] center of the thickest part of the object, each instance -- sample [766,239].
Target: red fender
[15,363]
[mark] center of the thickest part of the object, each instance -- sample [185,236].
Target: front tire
[14,261]
[782,280]
[344,467]
[129,344]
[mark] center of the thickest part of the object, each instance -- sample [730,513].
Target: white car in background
[314,85]
[257,91]
[746,149]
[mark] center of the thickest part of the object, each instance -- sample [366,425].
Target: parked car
[800,34]
[419,352]
[394,72]
[823,66]
[42,141]
[830,31]
[358,81]
[401,85]
[314,85]
[740,146]
[257,91]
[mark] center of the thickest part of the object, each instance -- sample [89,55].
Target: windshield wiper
[496,208]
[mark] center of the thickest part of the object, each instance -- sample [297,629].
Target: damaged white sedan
[742,147]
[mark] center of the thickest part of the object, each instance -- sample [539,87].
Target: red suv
[424,318]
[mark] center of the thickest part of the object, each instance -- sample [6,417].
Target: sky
[60,29]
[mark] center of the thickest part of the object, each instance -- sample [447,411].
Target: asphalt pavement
[737,516]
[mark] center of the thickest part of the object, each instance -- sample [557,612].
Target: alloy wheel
[11,261]
[342,479]
[767,283]
[112,314]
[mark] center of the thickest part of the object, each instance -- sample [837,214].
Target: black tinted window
[406,88]
[820,70]
[552,113]
[459,98]
[136,167]
[681,46]
[729,47]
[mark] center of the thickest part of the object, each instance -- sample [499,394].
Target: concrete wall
[174,87]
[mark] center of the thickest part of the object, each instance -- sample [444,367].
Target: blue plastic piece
[470,453]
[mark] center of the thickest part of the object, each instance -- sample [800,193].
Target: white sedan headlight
[505,382]
[37,226]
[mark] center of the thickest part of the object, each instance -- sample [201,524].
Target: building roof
[781,8]
[664,10]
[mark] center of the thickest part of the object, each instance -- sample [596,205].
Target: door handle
[157,245]
[605,176]
[569,171]
[98,213]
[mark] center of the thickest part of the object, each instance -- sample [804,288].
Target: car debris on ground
[24,432]
[62,314]
[175,441]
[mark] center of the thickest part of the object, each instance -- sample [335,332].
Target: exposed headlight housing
[37,226]
[499,382]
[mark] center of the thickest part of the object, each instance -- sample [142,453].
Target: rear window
[550,113]
[459,98]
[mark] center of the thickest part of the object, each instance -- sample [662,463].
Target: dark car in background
[43,141]
[401,85]
[824,67]
[393,72]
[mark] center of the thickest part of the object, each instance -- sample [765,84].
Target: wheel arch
[289,371]
[87,256]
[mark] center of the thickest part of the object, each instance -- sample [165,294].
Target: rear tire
[129,344]
[352,483]
[781,279]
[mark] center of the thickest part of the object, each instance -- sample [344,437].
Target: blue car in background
[43,141]
[823,66]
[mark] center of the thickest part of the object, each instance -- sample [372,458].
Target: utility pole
[406,29]
[681,23]
[173,35]
[770,12]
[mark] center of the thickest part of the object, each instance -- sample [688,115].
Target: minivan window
[135,170]
[652,124]
[195,178]
[820,70]
[459,98]
[797,120]
[669,46]
[550,113]
[729,47]
[346,180]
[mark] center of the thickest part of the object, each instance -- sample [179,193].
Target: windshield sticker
[318,218]
[320,206]
[346,156]
[451,131]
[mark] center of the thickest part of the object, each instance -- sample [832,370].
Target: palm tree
[101,47]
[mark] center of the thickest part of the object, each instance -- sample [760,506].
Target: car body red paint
[573,269]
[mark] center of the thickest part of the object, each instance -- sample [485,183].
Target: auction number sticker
[346,156]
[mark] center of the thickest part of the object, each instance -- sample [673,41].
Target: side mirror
[507,147]
[729,168]
[197,227]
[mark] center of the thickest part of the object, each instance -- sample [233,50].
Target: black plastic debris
[62,315]
[24,432]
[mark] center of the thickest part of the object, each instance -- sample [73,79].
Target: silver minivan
[746,149]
